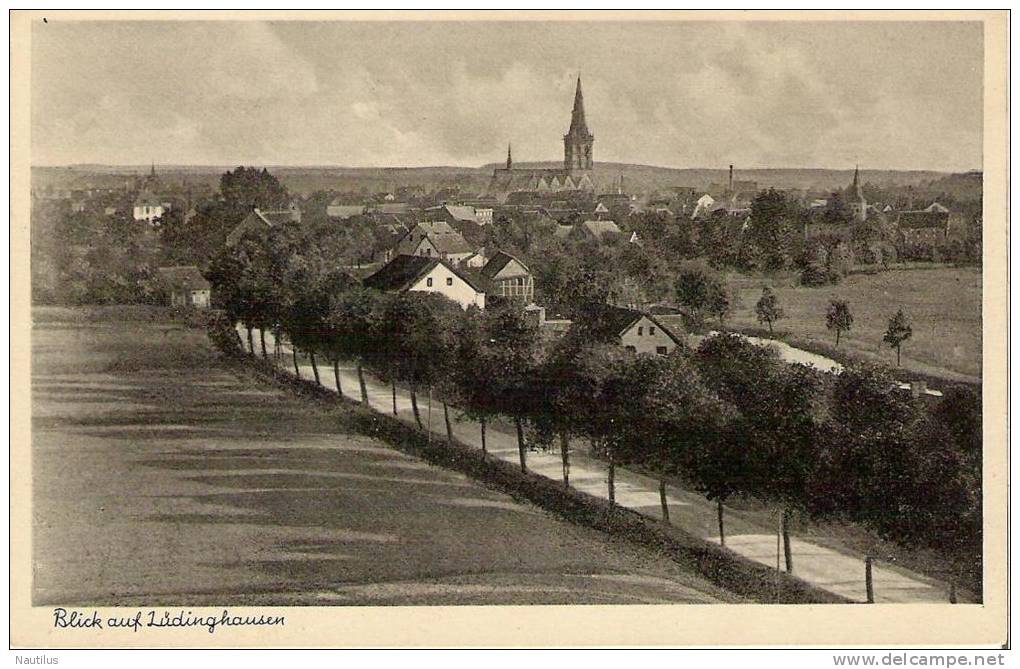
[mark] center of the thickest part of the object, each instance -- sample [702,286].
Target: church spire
[152,169]
[509,158]
[577,122]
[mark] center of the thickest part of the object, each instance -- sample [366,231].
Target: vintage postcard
[508,329]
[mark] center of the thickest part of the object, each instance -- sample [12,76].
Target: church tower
[577,143]
[855,196]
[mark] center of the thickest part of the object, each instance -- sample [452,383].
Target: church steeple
[577,143]
[858,203]
[509,158]
[577,122]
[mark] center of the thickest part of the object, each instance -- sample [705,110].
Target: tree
[780,411]
[353,320]
[899,331]
[839,317]
[510,347]
[418,328]
[768,308]
[770,229]
[701,290]
[338,329]
[247,187]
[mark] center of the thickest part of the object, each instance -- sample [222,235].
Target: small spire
[509,157]
[152,169]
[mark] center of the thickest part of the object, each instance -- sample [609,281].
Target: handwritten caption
[153,618]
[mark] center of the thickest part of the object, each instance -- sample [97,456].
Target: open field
[159,477]
[943,303]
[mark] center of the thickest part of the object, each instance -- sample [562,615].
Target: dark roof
[186,277]
[614,321]
[498,262]
[922,219]
[403,271]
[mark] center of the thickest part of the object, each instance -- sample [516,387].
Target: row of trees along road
[728,419]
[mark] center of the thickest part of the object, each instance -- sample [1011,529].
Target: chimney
[731,178]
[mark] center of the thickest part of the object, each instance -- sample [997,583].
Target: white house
[424,274]
[148,207]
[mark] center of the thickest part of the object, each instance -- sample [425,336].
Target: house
[637,332]
[185,286]
[255,221]
[509,277]
[476,260]
[343,211]
[598,230]
[110,211]
[923,227]
[703,205]
[434,240]
[563,231]
[483,215]
[147,207]
[935,207]
[431,275]
[452,214]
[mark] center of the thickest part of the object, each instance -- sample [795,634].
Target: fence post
[868,582]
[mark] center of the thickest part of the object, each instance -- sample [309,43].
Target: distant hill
[637,178]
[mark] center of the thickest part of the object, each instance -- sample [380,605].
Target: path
[835,571]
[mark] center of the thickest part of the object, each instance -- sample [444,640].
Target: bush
[815,275]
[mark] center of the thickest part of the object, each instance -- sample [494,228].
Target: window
[651,330]
[428,282]
[631,349]
[640,331]
[661,350]
[449,281]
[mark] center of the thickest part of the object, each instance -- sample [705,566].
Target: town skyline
[762,96]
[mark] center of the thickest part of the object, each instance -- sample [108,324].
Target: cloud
[682,94]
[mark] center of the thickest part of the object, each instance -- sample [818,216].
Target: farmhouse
[432,275]
[434,240]
[185,286]
[637,332]
[510,277]
[259,221]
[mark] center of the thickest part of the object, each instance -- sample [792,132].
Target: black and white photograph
[339,313]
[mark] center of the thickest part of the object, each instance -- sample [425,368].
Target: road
[838,571]
[160,477]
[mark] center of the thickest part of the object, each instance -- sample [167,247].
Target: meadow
[943,304]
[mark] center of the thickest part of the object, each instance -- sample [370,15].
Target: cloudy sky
[698,94]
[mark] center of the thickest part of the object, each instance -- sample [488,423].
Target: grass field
[943,303]
[161,477]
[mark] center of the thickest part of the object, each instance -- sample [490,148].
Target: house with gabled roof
[434,239]
[424,274]
[509,277]
[255,222]
[185,286]
[635,331]
[598,230]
